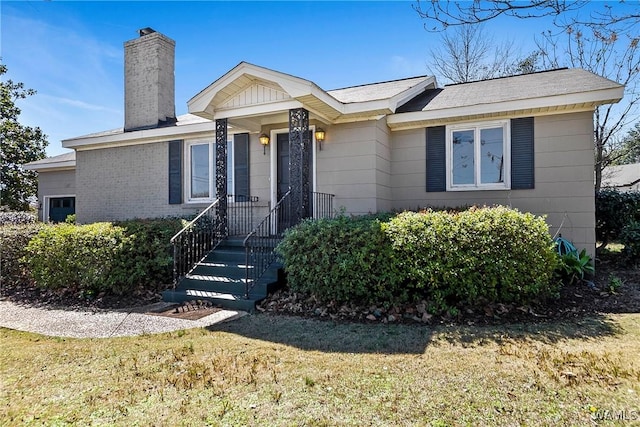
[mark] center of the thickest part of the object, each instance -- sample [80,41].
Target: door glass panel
[200,171]
[491,156]
[462,153]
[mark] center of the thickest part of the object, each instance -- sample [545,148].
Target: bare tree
[604,41]
[605,53]
[443,14]
[466,53]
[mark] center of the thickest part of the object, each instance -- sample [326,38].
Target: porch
[227,253]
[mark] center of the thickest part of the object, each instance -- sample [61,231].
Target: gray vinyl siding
[355,166]
[563,173]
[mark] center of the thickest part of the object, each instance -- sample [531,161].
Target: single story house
[622,177]
[523,141]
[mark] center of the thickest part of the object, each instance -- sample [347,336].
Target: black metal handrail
[241,214]
[196,240]
[322,205]
[260,244]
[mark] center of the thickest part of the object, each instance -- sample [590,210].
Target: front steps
[220,278]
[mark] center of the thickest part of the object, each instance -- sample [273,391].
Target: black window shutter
[522,154]
[436,159]
[175,172]
[241,164]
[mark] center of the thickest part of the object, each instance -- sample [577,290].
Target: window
[478,156]
[200,176]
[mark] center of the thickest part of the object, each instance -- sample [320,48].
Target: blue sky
[72,52]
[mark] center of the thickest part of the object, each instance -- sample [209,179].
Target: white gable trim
[238,96]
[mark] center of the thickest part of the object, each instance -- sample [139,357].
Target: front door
[283,176]
[283,165]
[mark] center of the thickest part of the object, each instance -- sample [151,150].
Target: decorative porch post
[221,173]
[299,155]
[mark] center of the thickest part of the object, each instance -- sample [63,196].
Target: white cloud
[76,103]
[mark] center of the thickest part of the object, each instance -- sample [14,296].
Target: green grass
[270,370]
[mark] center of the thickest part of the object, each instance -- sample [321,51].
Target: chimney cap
[146,31]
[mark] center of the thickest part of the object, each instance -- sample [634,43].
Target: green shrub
[75,256]
[475,256]
[451,259]
[13,242]
[146,258]
[630,238]
[614,210]
[118,258]
[342,259]
[574,266]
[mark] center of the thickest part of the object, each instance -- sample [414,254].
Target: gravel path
[100,323]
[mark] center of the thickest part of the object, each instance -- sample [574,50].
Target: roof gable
[248,90]
[257,93]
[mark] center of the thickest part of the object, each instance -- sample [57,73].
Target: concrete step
[220,278]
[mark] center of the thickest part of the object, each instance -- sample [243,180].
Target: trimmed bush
[475,256]
[119,258]
[614,210]
[451,259]
[630,238]
[13,242]
[15,218]
[146,258]
[342,259]
[75,256]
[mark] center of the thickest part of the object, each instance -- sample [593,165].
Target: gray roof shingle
[521,87]
[375,91]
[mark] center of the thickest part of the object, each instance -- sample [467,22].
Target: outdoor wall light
[264,140]
[320,136]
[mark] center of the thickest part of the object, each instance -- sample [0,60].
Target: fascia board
[294,86]
[58,166]
[201,100]
[599,97]
[141,136]
[252,110]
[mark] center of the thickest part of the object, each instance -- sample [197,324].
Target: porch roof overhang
[252,96]
[550,92]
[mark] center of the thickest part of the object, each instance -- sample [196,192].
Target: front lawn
[278,370]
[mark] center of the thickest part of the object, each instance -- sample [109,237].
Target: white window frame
[476,127]
[46,200]
[212,173]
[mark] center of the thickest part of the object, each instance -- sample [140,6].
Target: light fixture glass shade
[264,139]
[319,134]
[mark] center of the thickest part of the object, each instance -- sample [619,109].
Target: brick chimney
[149,82]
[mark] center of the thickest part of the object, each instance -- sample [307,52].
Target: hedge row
[119,258]
[451,259]
[614,211]
[13,242]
